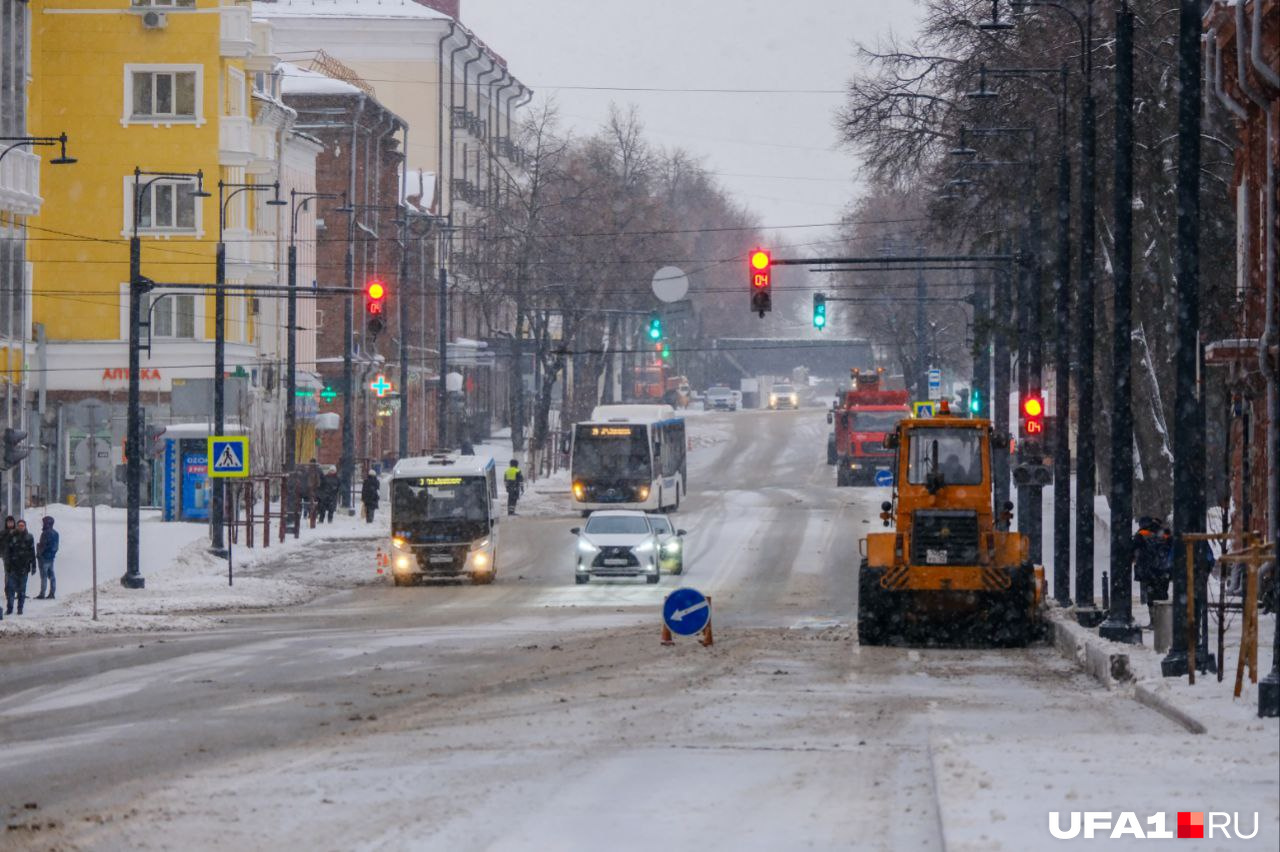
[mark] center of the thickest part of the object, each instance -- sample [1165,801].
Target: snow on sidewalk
[184,582]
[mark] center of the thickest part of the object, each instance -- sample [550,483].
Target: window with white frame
[166,205]
[172,314]
[163,94]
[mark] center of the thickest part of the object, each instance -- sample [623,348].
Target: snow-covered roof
[451,465]
[631,413]
[200,430]
[346,9]
[295,80]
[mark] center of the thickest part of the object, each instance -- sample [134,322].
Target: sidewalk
[184,582]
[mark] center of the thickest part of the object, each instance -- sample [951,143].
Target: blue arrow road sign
[686,611]
[884,478]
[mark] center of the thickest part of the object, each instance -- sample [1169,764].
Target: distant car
[783,396]
[616,543]
[720,398]
[670,544]
[737,399]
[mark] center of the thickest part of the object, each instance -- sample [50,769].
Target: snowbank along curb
[1111,664]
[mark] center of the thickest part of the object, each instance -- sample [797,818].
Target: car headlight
[579,491]
[671,547]
[643,492]
[399,544]
[644,547]
[585,546]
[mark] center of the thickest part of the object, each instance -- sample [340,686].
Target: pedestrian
[329,488]
[1150,559]
[46,552]
[369,496]
[515,485]
[19,563]
[9,526]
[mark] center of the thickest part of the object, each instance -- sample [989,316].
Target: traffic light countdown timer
[759,267]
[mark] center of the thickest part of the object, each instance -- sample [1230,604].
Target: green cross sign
[328,394]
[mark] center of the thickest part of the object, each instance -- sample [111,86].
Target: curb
[1109,663]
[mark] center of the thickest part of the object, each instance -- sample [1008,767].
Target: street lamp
[38,142]
[300,201]
[138,287]
[220,336]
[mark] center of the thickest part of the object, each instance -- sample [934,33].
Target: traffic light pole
[133,578]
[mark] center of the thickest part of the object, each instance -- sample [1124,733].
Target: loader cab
[943,461]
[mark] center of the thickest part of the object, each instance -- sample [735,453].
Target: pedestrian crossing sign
[228,457]
[921,409]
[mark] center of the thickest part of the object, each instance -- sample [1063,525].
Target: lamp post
[299,202]
[38,142]
[1119,626]
[220,338]
[138,287]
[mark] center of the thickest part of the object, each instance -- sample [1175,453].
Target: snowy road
[536,714]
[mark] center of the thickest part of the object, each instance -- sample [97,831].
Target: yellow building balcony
[235,140]
[20,182]
[237,30]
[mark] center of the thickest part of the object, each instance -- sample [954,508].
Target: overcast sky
[775,152]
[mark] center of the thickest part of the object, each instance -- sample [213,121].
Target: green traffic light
[975,401]
[655,332]
[666,353]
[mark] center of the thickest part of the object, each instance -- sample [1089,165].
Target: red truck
[862,417]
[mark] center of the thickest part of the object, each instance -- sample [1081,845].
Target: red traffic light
[1033,415]
[375,295]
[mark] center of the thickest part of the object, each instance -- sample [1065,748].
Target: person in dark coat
[514,481]
[369,496]
[328,499]
[19,563]
[9,526]
[1150,558]
[46,552]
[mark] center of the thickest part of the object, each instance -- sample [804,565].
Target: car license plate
[615,562]
[935,557]
[440,559]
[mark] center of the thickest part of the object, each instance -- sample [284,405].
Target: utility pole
[403,297]
[442,325]
[1119,626]
[1188,461]
[922,358]
[346,464]
[1062,369]
[999,400]
[1086,471]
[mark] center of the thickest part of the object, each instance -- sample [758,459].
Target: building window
[267,83]
[164,4]
[166,206]
[163,94]
[172,314]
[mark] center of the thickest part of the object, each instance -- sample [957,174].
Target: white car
[670,544]
[720,398]
[783,396]
[617,543]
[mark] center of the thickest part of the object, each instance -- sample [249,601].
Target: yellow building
[181,86]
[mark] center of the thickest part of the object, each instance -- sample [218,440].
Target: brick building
[1243,76]
[363,162]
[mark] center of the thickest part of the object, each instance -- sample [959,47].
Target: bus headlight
[399,544]
[480,559]
[642,492]
[579,491]
[402,563]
